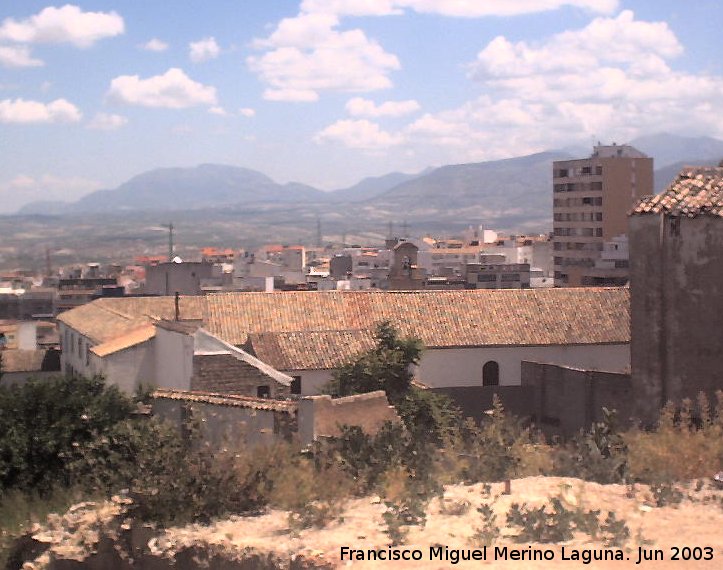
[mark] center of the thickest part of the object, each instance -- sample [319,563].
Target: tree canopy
[388,366]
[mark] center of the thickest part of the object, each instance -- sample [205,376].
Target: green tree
[388,366]
[428,417]
[41,422]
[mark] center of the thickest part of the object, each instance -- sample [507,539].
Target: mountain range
[513,192]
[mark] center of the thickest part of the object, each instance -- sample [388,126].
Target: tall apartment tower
[591,201]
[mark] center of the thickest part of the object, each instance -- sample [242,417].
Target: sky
[326,92]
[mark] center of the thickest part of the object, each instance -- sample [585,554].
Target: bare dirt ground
[695,522]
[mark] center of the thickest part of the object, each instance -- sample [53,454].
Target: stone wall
[227,423]
[322,416]
[676,282]
[566,399]
[474,401]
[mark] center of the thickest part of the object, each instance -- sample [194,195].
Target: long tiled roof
[315,350]
[438,318]
[696,191]
[588,315]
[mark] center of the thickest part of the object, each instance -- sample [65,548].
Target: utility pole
[319,239]
[170,241]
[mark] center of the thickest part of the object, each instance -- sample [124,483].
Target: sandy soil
[696,522]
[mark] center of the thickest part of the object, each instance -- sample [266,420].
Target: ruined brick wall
[321,416]
[568,399]
[225,374]
[228,425]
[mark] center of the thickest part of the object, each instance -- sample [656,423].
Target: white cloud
[359,107]
[307,54]
[68,24]
[612,79]
[220,111]
[620,40]
[203,50]
[23,189]
[247,112]
[22,111]
[17,56]
[172,90]
[107,122]
[454,8]
[361,134]
[154,44]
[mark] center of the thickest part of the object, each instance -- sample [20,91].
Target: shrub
[492,451]
[682,447]
[599,455]
[42,421]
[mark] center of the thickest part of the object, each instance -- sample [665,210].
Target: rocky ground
[100,536]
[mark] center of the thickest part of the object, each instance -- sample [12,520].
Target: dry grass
[681,449]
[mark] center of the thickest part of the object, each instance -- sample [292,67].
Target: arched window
[491,374]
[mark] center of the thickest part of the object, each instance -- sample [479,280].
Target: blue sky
[326,92]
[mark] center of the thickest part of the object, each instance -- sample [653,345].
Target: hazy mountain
[664,176]
[204,186]
[667,149]
[501,193]
[373,186]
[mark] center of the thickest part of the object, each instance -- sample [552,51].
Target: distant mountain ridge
[509,193]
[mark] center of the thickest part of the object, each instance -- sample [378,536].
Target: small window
[296,385]
[491,374]
[674,226]
[263,392]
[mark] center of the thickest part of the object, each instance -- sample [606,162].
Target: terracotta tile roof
[105,319]
[286,406]
[315,350]
[127,340]
[458,318]
[696,191]
[209,345]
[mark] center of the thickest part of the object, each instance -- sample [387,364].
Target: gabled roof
[208,345]
[444,319]
[315,350]
[129,339]
[106,319]
[696,191]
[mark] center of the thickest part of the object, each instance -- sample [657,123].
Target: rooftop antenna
[405,229]
[391,229]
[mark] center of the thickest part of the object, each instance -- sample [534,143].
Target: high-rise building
[591,200]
